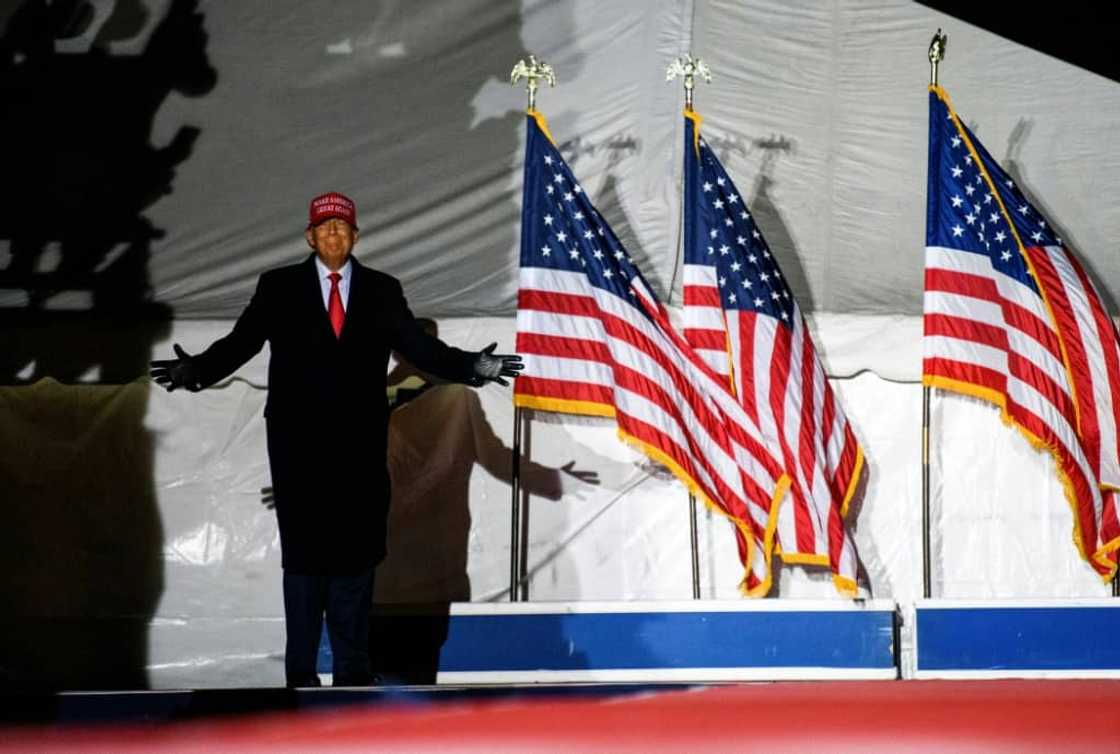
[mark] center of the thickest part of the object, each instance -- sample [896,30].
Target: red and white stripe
[582,343]
[1040,345]
[1093,349]
[782,387]
[987,330]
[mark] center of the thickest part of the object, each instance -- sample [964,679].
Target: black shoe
[359,679]
[312,682]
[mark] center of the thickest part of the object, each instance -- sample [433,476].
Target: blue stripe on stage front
[668,640]
[634,642]
[1038,637]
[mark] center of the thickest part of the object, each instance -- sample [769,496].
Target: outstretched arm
[490,366]
[432,355]
[178,372]
[220,359]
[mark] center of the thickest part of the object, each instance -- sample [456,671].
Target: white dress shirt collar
[346,271]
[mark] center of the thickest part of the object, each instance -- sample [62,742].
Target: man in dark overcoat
[330,323]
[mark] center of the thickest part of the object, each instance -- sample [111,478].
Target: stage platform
[78,708]
[640,642]
[666,676]
[835,716]
[1018,639]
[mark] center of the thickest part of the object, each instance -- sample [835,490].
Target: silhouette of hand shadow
[406,382]
[587,477]
[546,483]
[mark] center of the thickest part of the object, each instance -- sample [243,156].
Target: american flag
[596,341]
[742,318]
[1012,318]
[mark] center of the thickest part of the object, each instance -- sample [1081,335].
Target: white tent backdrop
[818,111]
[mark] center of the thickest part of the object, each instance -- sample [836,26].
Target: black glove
[180,372]
[494,366]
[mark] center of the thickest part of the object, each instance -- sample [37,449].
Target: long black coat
[326,413]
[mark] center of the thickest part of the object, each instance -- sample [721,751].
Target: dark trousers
[346,602]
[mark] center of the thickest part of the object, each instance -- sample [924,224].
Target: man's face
[332,240]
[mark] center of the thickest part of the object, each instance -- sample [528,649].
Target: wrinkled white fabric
[818,111]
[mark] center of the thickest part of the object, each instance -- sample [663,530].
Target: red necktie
[334,305]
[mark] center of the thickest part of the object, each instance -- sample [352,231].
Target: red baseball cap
[333,204]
